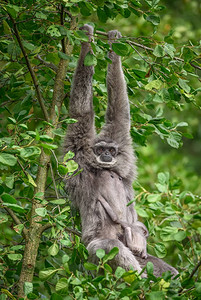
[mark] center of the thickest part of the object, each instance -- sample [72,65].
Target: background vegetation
[41,253]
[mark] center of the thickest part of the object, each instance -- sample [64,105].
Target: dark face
[106,154]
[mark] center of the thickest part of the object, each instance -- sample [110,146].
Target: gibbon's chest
[111,188]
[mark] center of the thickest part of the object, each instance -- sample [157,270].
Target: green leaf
[41,211]
[85,8]
[188,54]
[18,228]
[161,187]
[90,266]
[72,166]
[76,281]
[100,253]
[39,195]
[29,152]
[82,35]
[68,155]
[159,295]
[74,10]
[102,15]
[155,84]
[53,250]
[172,142]
[46,138]
[120,49]
[163,177]
[28,288]
[182,124]
[31,180]
[170,50]
[3,218]
[150,268]
[47,273]
[141,212]
[58,201]
[167,233]
[160,250]
[184,85]
[59,131]
[8,199]
[62,170]
[15,207]
[180,236]
[119,272]
[53,31]
[48,146]
[69,121]
[159,51]
[154,198]
[62,286]
[154,19]
[90,60]
[8,159]
[40,15]
[111,254]
[15,256]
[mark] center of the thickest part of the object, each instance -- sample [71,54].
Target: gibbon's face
[105,153]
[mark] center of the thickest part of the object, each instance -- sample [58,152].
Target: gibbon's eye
[112,151]
[100,150]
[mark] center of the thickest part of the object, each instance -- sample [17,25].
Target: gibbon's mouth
[105,164]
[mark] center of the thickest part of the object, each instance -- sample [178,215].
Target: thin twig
[53,180]
[47,64]
[15,218]
[195,269]
[138,52]
[70,230]
[35,82]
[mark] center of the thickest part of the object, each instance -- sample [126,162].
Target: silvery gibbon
[103,189]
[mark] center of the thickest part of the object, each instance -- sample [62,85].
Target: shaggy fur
[102,191]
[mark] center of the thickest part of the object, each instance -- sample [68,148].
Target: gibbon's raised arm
[81,100]
[118,111]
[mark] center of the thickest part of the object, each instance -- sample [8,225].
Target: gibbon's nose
[107,152]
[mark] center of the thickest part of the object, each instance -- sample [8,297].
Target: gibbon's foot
[114,35]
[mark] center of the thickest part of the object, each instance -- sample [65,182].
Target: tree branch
[35,82]
[148,48]
[15,218]
[47,64]
[195,269]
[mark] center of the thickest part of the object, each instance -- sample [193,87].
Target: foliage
[40,43]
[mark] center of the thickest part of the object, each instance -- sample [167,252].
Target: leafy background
[160,49]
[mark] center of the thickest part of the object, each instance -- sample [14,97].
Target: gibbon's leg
[135,237]
[124,258]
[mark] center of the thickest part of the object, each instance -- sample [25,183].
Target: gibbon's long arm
[118,111]
[81,99]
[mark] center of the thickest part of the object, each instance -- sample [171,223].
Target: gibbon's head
[105,153]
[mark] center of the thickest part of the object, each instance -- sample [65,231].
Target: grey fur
[102,190]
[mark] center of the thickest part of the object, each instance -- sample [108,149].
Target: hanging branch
[147,48]
[33,76]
